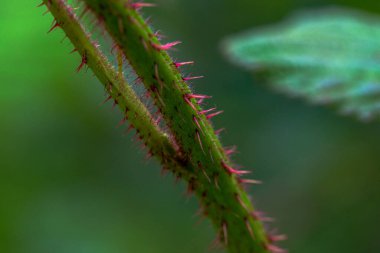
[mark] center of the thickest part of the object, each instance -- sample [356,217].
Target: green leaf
[327,57]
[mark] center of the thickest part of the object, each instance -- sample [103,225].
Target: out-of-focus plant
[326,57]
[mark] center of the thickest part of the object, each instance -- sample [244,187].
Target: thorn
[197,96]
[63,39]
[204,172]
[248,225]
[277,238]
[144,44]
[166,46]
[250,181]
[207,111]
[230,151]
[122,121]
[200,101]
[55,25]
[217,132]
[158,77]
[149,155]
[140,5]
[225,232]
[214,114]
[41,4]
[187,100]
[148,20]
[241,202]
[83,62]
[274,249]
[190,187]
[216,182]
[191,78]
[46,12]
[107,99]
[73,51]
[215,244]
[197,123]
[200,141]
[199,212]
[260,216]
[180,64]
[234,171]
[158,35]
[130,127]
[211,156]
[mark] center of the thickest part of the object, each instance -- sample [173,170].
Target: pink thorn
[276,238]
[55,25]
[187,100]
[130,127]
[214,114]
[260,216]
[107,99]
[140,5]
[230,151]
[159,35]
[200,141]
[180,64]
[189,78]
[197,123]
[200,101]
[122,121]
[250,181]
[197,96]
[207,111]
[275,249]
[217,132]
[234,171]
[166,46]
[84,62]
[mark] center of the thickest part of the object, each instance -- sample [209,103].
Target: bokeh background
[70,181]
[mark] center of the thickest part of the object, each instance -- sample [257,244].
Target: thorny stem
[209,172]
[117,88]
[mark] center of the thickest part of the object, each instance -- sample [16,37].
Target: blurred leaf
[326,57]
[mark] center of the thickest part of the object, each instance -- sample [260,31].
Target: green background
[70,181]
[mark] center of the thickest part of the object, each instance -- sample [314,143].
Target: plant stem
[216,182]
[118,89]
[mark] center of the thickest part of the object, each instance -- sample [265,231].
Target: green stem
[118,89]
[216,183]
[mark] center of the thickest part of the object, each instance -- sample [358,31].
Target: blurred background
[70,181]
